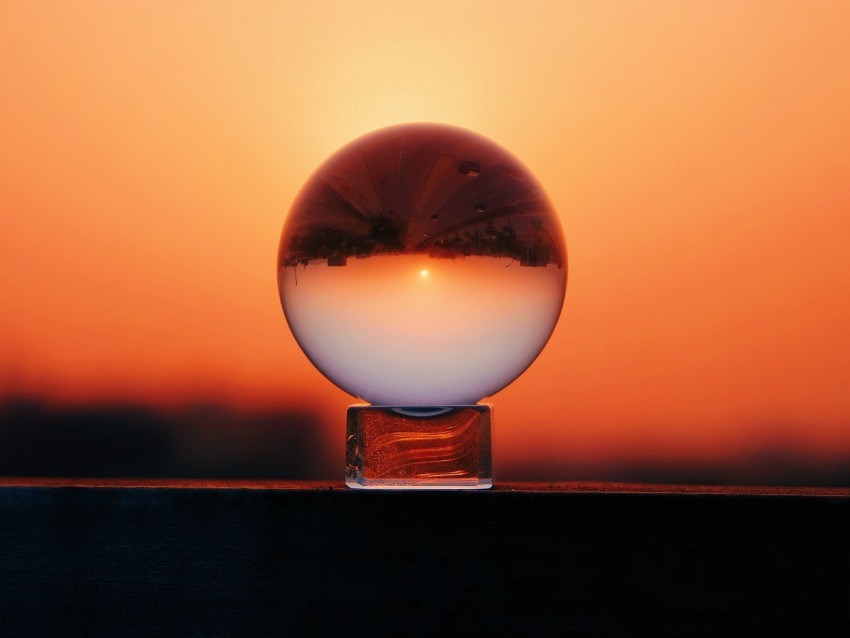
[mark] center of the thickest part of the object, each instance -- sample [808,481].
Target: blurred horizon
[204,439]
[696,154]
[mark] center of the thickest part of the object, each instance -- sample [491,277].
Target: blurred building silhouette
[38,439]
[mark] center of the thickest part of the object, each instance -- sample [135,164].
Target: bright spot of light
[423,274]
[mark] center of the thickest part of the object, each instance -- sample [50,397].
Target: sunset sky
[698,154]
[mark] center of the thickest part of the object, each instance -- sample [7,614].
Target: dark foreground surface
[281,559]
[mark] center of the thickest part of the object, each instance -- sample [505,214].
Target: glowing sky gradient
[697,153]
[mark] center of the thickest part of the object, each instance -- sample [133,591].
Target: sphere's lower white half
[410,330]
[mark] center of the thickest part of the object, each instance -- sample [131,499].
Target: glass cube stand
[418,448]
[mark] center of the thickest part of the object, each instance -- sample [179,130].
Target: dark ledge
[563,487]
[264,558]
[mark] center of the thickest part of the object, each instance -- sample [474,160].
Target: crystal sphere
[422,265]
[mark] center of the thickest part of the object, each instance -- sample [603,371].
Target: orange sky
[698,154]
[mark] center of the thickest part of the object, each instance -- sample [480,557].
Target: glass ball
[422,265]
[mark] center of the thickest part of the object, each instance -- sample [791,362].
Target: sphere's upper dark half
[422,188]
